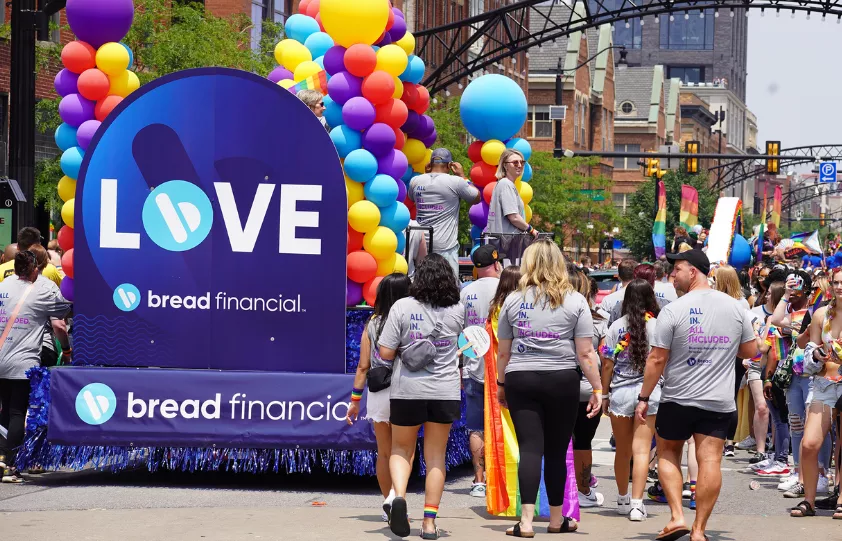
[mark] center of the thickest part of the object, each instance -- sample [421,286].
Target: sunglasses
[516,163]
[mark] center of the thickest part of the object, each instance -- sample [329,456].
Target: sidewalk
[334,524]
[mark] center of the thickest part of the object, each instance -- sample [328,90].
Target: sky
[793,85]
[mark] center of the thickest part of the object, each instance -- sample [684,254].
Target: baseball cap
[695,257]
[441,155]
[485,256]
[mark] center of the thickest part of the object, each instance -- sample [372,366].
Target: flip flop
[399,521]
[430,535]
[515,532]
[565,526]
[674,534]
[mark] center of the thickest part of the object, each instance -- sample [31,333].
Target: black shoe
[652,477]
[758,457]
[729,450]
[828,503]
[686,492]
[612,442]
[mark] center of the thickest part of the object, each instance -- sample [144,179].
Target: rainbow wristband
[356,395]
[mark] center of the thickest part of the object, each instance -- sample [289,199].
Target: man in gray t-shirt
[697,338]
[436,196]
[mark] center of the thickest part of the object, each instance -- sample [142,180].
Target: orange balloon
[302,6]
[422,103]
[488,191]
[482,174]
[313,8]
[93,84]
[361,266]
[370,290]
[360,60]
[77,56]
[393,112]
[475,151]
[104,107]
[378,87]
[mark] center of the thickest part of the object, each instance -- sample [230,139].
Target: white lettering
[109,237]
[194,413]
[291,219]
[169,409]
[310,416]
[215,404]
[243,239]
[269,413]
[136,402]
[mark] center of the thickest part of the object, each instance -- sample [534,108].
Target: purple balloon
[379,139]
[334,60]
[343,86]
[478,214]
[100,21]
[401,190]
[425,127]
[74,109]
[358,114]
[411,123]
[66,288]
[398,13]
[430,140]
[86,132]
[353,293]
[393,164]
[385,40]
[279,74]
[65,82]
[398,29]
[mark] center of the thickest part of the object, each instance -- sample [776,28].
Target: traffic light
[692,147]
[660,173]
[773,166]
[821,219]
[653,165]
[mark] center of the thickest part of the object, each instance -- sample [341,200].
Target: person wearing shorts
[696,340]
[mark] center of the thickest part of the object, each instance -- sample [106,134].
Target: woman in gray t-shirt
[429,396]
[545,332]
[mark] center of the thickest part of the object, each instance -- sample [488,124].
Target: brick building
[697,123]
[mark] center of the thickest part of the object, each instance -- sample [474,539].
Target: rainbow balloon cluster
[95,79]
[493,109]
[376,109]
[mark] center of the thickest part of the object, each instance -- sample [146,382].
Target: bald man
[9,253]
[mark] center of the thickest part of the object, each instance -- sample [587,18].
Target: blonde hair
[543,267]
[311,98]
[504,157]
[728,282]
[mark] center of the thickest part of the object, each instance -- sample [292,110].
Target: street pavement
[166,505]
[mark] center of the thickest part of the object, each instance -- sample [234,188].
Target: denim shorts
[474,405]
[825,391]
[623,400]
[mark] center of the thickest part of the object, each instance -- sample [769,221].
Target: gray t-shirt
[617,310]
[703,331]
[477,297]
[22,349]
[504,201]
[542,337]
[600,329]
[436,197]
[665,293]
[623,373]
[371,329]
[408,321]
[611,301]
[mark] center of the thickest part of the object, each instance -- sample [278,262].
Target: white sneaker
[387,505]
[762,465]
[747,444]
[592,499]
[776,468]
[789,482]
[638,511]
[823,486]
[623,505]
[478,490]
[385,517]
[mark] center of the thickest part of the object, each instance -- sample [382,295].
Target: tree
[637,228]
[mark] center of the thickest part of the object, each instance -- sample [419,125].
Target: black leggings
[740,372]
[585,428]
[14,400]
[543,406]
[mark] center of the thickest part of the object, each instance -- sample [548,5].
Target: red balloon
[422,103]
[475,151]
[67,263]
[391,21]
[370,290]
[482,174]
[411,206]
[93,84]
[302,6]
[319,20]
[77,56]
[360,60]
[378,87]
[488,191]
[104,107]
[410,95]
[65,238]
[393,112]
[361,266]
[400,139]
[355,240]
[313,8]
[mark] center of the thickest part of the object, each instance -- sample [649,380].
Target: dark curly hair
[639,299]
[434,283]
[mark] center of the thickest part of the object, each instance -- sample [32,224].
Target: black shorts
[678,423]
[418,412]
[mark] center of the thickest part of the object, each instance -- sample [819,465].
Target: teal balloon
[321,62]
[131,55]
[381,190]
[300,27]
[395,216]
[65,136]
[493,107]
[333,112]
[345,139]
[318,43]
[527,173]
[740,252]
[522,146]
[361,166]
[414,72]
[401,244]
[71,162]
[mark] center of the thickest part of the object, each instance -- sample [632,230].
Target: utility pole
[559,87]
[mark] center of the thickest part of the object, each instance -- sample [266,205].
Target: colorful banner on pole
[776,206]
[689,213]
[762,229]
[659,227]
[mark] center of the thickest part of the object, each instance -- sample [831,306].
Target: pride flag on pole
[762,226]
[689,214]
[659,228]
[317,81]
[776,207]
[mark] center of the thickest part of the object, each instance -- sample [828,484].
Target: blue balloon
[395,216]
[740,253]
[321,62]
[401,243]
[381,190]
[522,146]
[318,43]
[345,139]
[361,166]
[476,233]
[333,112]
[414,72]
[406,177]
[65,136]
[300,27]
[527,173]
[71,161]
[493,107]
[131,55]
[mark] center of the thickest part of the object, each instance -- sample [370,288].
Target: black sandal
[515,532]
[398,520]
[837,515]
[804,508]
[565,526]
[430,535]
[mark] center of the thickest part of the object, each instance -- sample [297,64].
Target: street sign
[594,195]
[558,112]
[827,172]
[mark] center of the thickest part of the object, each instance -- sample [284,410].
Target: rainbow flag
[502,495]
[317,81]
[816,301]
[659,227]
[689,214]
[759,256]
[776,206]
[779,345]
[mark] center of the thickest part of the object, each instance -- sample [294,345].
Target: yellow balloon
[401,265]
[398,93]
[358,21]
[124,83]
[492,150]
[526,193]
[414,150]
[528,210]
[421,167]
[286,83]
[354,190]
[112,58]
[66,188]
[407,43]
[380,242]
[306,69]
[363,216]
[386,265]
[67,212]
[294,54]
[392,59]
[518,183]
[281,47]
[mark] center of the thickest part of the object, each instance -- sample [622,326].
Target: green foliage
[47,174]
[637,227]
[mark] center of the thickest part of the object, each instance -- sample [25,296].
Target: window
[582,123]
[265,10]
[687,32]
[626,163]
[627,107]
[538,121]
[626,33]
[576,121]
[687,74]
[619,200]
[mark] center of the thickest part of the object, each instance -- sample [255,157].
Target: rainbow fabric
[502,495]
[780,345]
[314,82]
[776,206]
[689,213]
[815,301]
[659,227]
[759,255]
[430,511]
